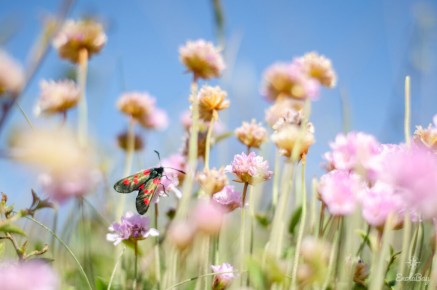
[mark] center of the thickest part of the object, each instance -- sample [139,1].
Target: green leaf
[2,249]
[13,229]
[101,284]
[364,236]
[256,275]
[294,220]
[262,219]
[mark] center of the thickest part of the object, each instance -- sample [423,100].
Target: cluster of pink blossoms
[381,179]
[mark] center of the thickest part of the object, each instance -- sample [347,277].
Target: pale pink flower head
[281,108]
[211,100]
[30,275]
[288,80]
[355,151]
[132,227]
[71,182]
[252,134]
[250,168]
[318,67]
[77,35]
[379,201]
[136,104]
[427,136]
[177,161]
[212,180]
[202,58]
[156,119]
[222,280]
[181,234]
[339,190]
[11,74]
[57,97]
[228,197]
[208,217]
[412,171]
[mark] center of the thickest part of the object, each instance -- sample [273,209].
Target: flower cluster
[249,168]
[211,100]
[29,275]
[57,97]
[132,227]
[11,74]
[251,134]
[224,276]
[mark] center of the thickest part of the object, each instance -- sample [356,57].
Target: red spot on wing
[136,176]
[141,186]
[136,180]
[146,172]
[156,180]
[126,182]
[146,201]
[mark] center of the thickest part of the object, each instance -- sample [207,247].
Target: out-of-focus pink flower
[11,74]
[222,280]
[77,35]
[177,161]
[228,197]
[69,183]
[355,151]
[181,234]
[208,217]
[288,80]
[155,120]
[379,201]
[202,59]
[281,108]
[212,180]
[211,100]
[28,276]
[339,190]
[412,171]
[250,168]
[57,97]
[318,67]
[251,134]
[132,227]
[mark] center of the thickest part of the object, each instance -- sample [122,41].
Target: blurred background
[373,45]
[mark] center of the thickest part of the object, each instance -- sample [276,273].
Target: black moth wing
[146,194]
[133,182]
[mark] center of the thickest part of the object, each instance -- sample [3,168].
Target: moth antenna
[159,157]
[180,171]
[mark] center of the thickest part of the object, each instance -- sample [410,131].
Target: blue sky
[373,44]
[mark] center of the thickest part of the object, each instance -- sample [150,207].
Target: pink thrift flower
[378,202]
[318,67]
[427,136]
[251,134]
[412,171]
[181,234]
[136,104]
[355,151]
[132,227]
[288,80]
[202,58]
[208,217]
[250,168]
[222,280]
[57,97]
[228,197]
[339,190]
[30,275]
[157,119]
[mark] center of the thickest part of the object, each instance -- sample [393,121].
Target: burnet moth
[146,182]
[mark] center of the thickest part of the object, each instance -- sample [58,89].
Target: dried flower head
[339,190]
[77,35]
[281,108]
[361,272]
[11,74]
[318,67]
[228,197]
[251,134]
[249,168]
[28,275]
[132,227]
[291,137]
[288,80]
[222,280]
[202,59]
[211,100]
[135,104]
[427,136]
[123,141]
[212,180]
[57,97]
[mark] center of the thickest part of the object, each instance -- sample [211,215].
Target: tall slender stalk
[82,107]
[208,141]
[243,232]
[407,130]
[135,264]
[157,255]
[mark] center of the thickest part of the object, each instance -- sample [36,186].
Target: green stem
[301,229]
[405,244]
[135,264]
[115,268]
[82,271]
[243,231]
[24,115]
[332,260]
[198,277]
[157,256]
[407,111]
[82,107]
[208,141]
